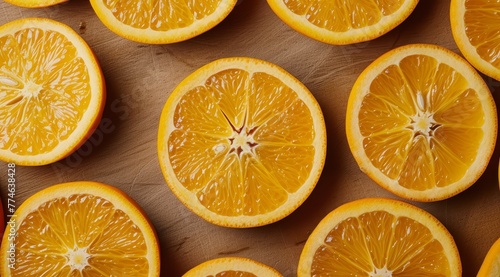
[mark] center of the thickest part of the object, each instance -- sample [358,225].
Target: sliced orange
[80,229]
[241,142]
[51,91]
[379,237]
[491,263]
[163,21]
[341,21]
[232,267]
[475,25]
[421,122]
[35,3]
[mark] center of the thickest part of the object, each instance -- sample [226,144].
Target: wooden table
[139,79]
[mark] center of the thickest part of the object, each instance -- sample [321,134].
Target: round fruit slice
[51,91]
[379,237]
[474,24]
[232,266]
[34,3]
[241,142]
[343,22]
[80,229]
[491,263]
[162,21]
[421,122]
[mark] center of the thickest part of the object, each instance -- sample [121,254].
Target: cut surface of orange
[343,22]
[421,122]
[80,229]
[51,91]
[163,21]
[34,3]
[491,263]
[379,237]
[232,267]
[241,142]
[475,25]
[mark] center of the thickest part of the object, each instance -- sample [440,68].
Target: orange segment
[474,24]
[421,123]
[343,22]
[491,263]
[241,142]
[35,3]
[163,21]
[232,267]
[51,91]
[81,229]
[379,237]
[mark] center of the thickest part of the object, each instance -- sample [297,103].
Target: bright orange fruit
[421,122]
[232,267]
[379,237]
[52,91]
[80,229]
[241,142]
[163,21]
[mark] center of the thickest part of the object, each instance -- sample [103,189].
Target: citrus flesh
[241,142]
[51,91]
[343,22]
[162,21]
[474,25]
[81,229]
[34,3]
[232,267]
[491,263]
[377,237]
[421,123]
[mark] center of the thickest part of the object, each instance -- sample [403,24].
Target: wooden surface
[139,79]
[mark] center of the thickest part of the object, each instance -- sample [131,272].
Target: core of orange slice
[379,237]
[163,21]
[474,25]
[51,91]
[491,263]
[80,229]
[421,122]
[34,3]
[241,142]
[232,267]
[343,22]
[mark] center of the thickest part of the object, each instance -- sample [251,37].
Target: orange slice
[491,263]
[421,122]
[35,3]
[232,267]
[241,142]
[343,22]
[51,91]
[379,237]
[80,229]
[163,21]
[474,25]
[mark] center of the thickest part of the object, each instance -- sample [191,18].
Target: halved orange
[241,142]
[35,3]
[232,267]
[491,263]
[80,229]
[343,22]
[475,25]
[52,91]
[163,21]
[379,237]
[421,122]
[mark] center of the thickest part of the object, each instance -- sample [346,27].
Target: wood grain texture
[139,79]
